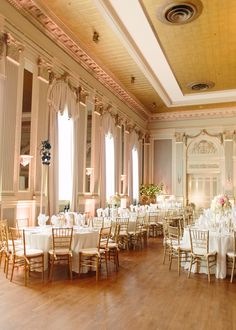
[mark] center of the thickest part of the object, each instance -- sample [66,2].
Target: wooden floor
[142,295]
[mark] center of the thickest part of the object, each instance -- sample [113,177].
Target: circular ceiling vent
[201,86]
[177,13]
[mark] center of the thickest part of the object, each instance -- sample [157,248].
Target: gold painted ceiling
[200,51]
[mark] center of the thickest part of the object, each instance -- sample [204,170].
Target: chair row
[15,251]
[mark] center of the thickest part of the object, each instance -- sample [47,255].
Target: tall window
[65,151]
[110,166]
[135,175]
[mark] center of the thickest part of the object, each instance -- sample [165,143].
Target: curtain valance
[62,96]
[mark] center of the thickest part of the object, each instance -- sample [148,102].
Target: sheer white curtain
[65,152]
[135,174]
[110,166]
[134,170]
[108,127]
[60,97]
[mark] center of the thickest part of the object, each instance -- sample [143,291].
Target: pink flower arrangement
[220,204]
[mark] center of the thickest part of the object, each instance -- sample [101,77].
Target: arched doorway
[205,165]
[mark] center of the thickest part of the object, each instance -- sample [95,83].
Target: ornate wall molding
[194,114]
[32,12]
[13,48]
[44,70]
[203,148]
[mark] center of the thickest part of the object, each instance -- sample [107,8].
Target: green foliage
[150,189]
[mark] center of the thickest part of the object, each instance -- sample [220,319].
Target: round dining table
[219,241]
[41,238]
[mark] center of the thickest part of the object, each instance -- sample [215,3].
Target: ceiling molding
[42,21]
[194,114]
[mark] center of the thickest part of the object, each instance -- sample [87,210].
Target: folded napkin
[42,219]
[54,220]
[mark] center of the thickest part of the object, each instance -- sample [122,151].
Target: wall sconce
[89,171]
[25,160]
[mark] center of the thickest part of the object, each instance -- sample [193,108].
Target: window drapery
[60,97]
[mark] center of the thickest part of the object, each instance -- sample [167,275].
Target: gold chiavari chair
[92,258]
[61,249]
[98,222]
[177,249]
[199,240]
[113,246]
[135,237]
[3,224]
[30,259]
[123,235]
[230,258]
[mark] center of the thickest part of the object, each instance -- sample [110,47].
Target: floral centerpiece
[114,200]
[221,205]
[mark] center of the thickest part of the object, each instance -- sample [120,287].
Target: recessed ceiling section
[177,54]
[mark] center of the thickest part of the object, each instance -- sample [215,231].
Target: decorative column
[180,168]
[2,87]
[228,163]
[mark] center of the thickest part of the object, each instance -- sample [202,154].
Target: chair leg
[106,263]
[179,262]
[97,267]
[208,271]
[43,267]
[13,267]
[70,266]
[170,262]
[232,271]
[51,266]
[190,266]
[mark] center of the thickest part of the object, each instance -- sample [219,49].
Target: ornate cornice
[194,114]
[39,18]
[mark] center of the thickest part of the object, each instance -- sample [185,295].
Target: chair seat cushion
[112,245]
[231,254]
[202,252]
[30,253]
[60,251]
[90,251]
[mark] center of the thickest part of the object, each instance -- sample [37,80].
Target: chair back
[234,242]
[62,238]
[98,222]
[13,236]
[116,233]
[4,237]
[124,224]
[152,217]
[105,234]
[199,240]
[173,234]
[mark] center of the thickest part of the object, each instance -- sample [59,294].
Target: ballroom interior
[125,93]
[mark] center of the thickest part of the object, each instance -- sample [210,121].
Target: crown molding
[194,114]
[48,26]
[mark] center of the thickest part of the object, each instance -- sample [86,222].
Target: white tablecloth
[41,238]
[219,242]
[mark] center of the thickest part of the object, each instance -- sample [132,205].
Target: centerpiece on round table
[221,208]
[114,201]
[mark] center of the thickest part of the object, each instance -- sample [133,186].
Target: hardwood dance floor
[142,295]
